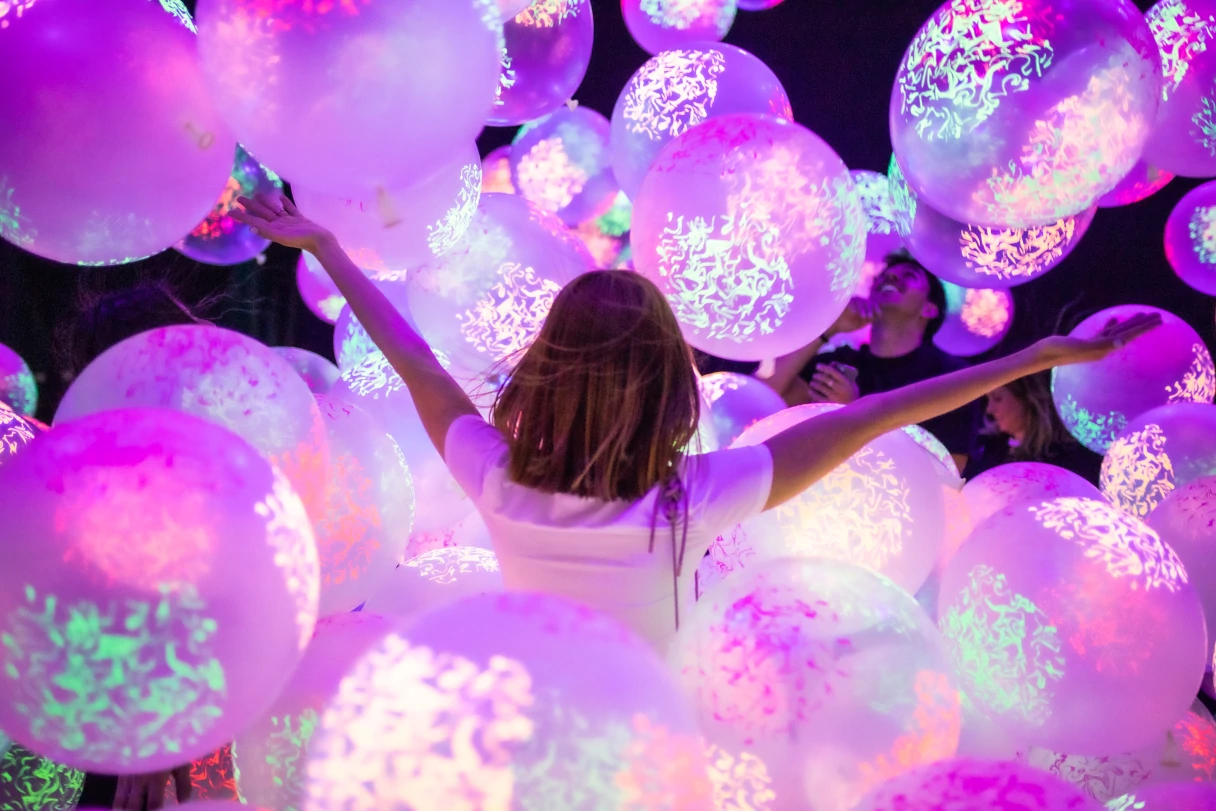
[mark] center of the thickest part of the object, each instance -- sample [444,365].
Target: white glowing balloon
[1019,482]
[316,371]
[736,402]
[469,531]
[1157,453]
[1186,520]
[437,577]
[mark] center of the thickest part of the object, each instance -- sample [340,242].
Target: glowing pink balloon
[1190,238]
[1020,116]
[976,785]
[677,90]
[1054,610]
[976,255]
[561,165]
[341,99]
[157,546]
[1097,400]
[659,25]
[548,49]
[221,240]
[1184,139]
[316,371]
[1186,520]
[737,402]
[436,578]
[751,227]
[318,291]
[1020,482]
[111,163]
[1158,452]
[221,376]
[1142,182]
[976,320]
[388,231]
[18,390]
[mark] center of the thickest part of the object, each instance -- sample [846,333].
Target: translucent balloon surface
[977,785]
[561,164]
[976,320]
[369,499]
[271,752]
[660,25]
[469,531]
[677,90]
[436,578]
[976,255]
[155,546]
[486,299]
[351,341]
[829,674]
[1055,610]
[561,708]
[18,390]
[1186,520]
[1158,452]
[319,293]
[1142,182]
[882,233]
[1169,365]
[111,162]
[751,227]
[1021,482]
[548,49]
[386,231]
[316,371]
[758,5]
[337,117]
[221,240]
[1184,141]
[1190,239]
[1017,115]
[736,402]
[221,376]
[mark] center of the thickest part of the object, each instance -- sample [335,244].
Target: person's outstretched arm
[805,453]
[438,398]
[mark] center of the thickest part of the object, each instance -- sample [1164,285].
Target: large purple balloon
[977,255]
[343,97]
[221,240]
[548,49]
[1190,238]
[388,231]
[752,228]
[119,151]
[677,90]
[1017,115]
[658,25]
[561,164]
[1184,140]
[976,320]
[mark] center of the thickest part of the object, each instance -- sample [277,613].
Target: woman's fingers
[257,207]
[289,206]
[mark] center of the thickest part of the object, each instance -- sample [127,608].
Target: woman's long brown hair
[605,400]
[1043,426]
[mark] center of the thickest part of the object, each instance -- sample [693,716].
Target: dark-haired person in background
[907,306]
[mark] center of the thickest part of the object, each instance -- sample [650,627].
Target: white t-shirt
[597,552]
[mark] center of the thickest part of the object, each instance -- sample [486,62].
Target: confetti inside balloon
[1018,114]
[1142,182]
[1190,238]
[221,240]
[737,402]
[1055,610]
[388,231]
[976,320]
[436,578]
[976,255]
[222,376]
[751,227]
[677,90]
[882,234]
[345,97]
[976,785]
[316,371]
[1169,365]
[1186,520]
[17,387]
[319,293]
[160,583]
[829,674]
[29,782]
[486,299]
[661,25]
[114,160]
[1184,140]
[1158,452]
[561,165]
[548,49]
[550,706]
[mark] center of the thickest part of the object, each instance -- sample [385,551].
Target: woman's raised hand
[1063,350]
[280,221]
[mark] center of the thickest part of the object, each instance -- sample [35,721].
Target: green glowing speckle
[32,783]
[178,9]
[1094,431]
[618,220]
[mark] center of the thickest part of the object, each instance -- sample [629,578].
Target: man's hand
[137,792]
[830,385]
[858,314]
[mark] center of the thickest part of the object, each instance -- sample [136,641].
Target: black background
[837,60]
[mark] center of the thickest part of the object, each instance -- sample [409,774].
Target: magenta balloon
[1142,182]
[1158,452]
[221,240]
[1097,400]
[160,584]
[678,89]
[751,226]
[111,162]
[388,231]
[1190,239]
[659,25]
[561,164]
[318,291]
[18,390]
[547,53]
[976,785]
[343,97]
[977,255]
[976,320]
[1184,140]
[1019,116]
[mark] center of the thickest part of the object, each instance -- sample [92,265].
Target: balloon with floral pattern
[546,54]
